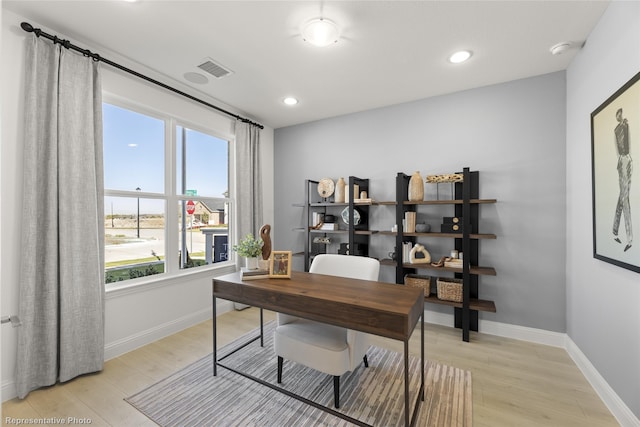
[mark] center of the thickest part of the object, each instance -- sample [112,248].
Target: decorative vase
[251,263]
[416,187]
[339,194]
[423,228]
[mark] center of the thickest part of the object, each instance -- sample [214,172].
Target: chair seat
[326,348]
[323,347]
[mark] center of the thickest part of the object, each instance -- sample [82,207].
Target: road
[151,239]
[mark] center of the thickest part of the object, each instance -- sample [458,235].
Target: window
[167,199]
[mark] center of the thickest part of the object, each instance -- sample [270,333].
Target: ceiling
[390,52]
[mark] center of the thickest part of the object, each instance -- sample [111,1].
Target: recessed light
[320,32]
[460,56]
[290,100]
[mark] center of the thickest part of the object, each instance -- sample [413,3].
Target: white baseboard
[132,342]
[620,411]
[538,336]
[612,401]
[9,390]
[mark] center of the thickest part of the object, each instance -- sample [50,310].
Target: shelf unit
[466,206]
[356,237]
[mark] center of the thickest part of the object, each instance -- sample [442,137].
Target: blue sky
[134,158]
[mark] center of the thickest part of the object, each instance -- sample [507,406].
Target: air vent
[213,68]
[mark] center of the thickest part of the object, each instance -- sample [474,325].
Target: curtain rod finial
[27,27]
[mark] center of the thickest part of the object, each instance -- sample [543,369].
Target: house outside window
[167,198]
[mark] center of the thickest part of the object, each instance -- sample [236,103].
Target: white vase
[251,263]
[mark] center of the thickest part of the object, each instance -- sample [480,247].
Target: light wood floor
[515,383]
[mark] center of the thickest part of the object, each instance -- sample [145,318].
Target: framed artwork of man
[615,139]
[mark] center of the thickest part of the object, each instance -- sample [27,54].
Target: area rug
[373,395]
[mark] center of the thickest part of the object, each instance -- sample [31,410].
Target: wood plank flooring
[515,383]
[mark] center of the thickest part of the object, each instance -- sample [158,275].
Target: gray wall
[603,318]
[513,133]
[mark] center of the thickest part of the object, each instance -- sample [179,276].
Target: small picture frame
[280,265]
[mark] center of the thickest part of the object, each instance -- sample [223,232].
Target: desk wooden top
[384,309]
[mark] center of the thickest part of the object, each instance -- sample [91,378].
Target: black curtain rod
[68,45]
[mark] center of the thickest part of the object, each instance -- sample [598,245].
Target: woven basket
[417,281]
[449,289]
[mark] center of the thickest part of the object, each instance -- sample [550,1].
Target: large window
[167,200]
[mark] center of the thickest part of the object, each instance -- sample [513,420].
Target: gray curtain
[62,277]
[249,197]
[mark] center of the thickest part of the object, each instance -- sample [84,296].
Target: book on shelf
[409,222]
[366,201]
[316,219]
[453,263]
[406,251]
[329,226]
[248,274]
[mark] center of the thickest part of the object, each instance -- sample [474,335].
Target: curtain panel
[249,179]
[62,274]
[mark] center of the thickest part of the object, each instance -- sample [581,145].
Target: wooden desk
[383,309]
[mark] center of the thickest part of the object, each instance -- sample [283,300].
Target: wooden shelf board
[474,304]
[365,232]
[481,271]
[441,235]
[449,202]
[329,204]
[323,204]
[454,235]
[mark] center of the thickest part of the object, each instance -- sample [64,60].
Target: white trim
[612,401]
[147,283]
[132,342]
[523,333]
[620,411]
[9,390]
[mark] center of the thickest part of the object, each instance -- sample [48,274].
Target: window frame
[171,195]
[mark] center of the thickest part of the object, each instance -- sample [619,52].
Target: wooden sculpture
[266,238]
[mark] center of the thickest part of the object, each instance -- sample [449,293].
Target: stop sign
[191,207]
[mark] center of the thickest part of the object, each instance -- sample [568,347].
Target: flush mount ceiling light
[290,100]
[560,48]
[460,56]
[320,32]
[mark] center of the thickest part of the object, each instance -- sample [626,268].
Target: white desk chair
[326,348]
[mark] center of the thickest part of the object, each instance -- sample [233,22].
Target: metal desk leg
[406,383]
[215,336]
[422,353]
[261,328]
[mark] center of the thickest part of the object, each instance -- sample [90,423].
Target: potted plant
[251,249]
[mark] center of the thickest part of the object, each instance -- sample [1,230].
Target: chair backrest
[353,267]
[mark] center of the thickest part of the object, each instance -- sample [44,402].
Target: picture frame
[280,265]
[615,138]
